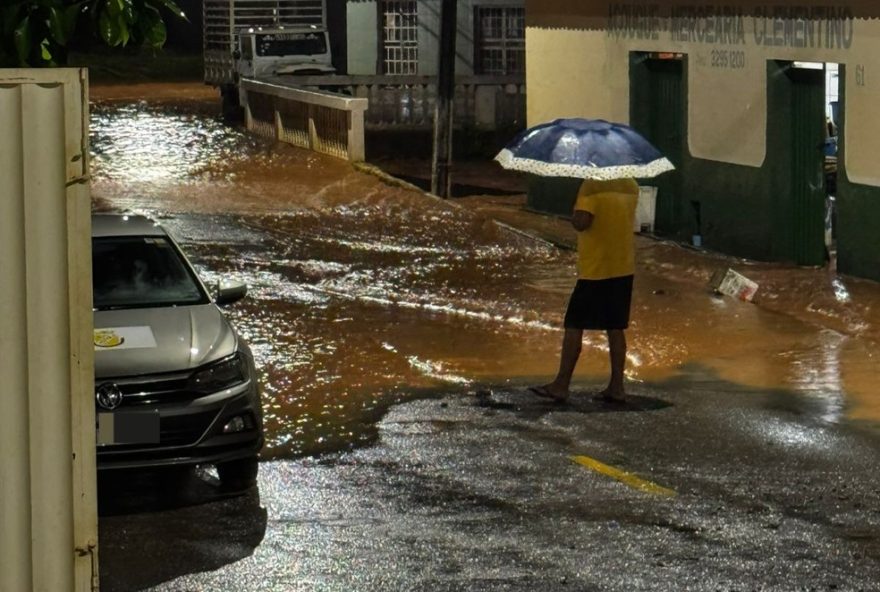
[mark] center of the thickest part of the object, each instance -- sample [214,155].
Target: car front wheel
[238,475]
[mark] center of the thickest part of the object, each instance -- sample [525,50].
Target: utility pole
[440,178]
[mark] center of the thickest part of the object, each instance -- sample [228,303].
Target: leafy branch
[38,32]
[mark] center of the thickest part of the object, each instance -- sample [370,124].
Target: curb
[393,181]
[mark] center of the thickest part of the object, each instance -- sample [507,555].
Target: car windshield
[140,271]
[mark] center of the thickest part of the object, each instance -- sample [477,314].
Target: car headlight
[226,373]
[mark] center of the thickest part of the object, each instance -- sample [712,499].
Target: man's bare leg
[572,342]
[617,353]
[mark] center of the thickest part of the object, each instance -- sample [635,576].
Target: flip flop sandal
[544,393]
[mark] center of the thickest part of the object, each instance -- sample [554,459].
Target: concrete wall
[726,72]
[363,48]
[578,66]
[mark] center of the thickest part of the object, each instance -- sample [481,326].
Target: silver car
[174,383]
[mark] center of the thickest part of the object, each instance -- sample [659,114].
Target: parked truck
[261,38]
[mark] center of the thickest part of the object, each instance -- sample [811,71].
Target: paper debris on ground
[731,283]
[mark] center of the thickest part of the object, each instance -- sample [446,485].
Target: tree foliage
[38,32]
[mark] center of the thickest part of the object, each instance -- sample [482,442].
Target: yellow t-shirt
[606,249]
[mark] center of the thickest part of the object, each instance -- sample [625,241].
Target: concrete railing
[407,102]
[321,121]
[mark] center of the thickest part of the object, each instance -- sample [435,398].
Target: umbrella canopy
[584,149]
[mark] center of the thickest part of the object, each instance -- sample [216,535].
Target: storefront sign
[818,27]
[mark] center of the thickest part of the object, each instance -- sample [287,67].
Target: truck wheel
[238,475]
[230,105]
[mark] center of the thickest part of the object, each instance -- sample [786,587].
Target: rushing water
[362,294]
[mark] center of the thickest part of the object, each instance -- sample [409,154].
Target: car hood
[156,340]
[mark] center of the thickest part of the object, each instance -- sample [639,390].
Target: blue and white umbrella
[583,149]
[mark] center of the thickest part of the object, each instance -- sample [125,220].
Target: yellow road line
[622,476]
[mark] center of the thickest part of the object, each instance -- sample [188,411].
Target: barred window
[501,40]
[400,39]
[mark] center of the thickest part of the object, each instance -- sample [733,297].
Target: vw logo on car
[109,396]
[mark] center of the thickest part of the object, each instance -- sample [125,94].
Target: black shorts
[600,304]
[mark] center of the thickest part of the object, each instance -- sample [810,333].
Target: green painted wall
[552,195]
[753,212]
[733,202]
[858,213]
[858,235]
[658,98]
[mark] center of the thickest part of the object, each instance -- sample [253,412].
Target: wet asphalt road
[478,491]
[396,339]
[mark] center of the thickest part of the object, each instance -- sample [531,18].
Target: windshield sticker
[124,338]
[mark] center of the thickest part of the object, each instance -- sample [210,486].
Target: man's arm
[581,220]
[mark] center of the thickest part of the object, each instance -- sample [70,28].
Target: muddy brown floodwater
[363,294]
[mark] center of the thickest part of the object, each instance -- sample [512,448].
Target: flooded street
[363,295]
[395,334]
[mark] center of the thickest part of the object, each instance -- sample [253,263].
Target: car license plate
[128,427]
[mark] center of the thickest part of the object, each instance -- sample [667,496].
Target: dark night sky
[182,35]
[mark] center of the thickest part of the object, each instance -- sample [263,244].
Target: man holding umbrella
[608,157]
[603,216]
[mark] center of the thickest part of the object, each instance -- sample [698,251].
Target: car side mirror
[229,293]
[236,55]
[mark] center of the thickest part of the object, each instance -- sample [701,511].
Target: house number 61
[860,75]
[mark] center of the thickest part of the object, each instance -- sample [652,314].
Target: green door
[657,111]
[808,192]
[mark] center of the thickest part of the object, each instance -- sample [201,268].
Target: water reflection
[342,331]
[364,295]
[143,143]
[840,290]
